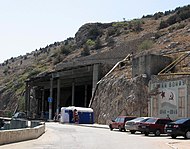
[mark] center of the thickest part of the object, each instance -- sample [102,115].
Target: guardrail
[17,135]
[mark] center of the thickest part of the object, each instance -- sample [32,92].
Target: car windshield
[180,121]
[16,115]
[151,120]
[122,119]
[146,119]
[138,119]
[19,115]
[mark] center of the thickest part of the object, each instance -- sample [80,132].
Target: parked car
[19,115]
[119,122]
[154,125]
[180,127]
[133,124]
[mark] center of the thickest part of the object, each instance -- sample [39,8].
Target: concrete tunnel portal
[48,92]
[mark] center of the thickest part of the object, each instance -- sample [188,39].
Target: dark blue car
[180,127]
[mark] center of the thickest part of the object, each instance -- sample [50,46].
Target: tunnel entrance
[73,87]
[82,99]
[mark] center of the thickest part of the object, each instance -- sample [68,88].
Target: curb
[94,126]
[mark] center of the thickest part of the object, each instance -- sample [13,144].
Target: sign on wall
[171,99]
[167,103]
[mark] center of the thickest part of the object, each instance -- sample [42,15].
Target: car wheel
[146,133]
[120,129]
[187,134]
[132,131]
[124,129]
[173,136]
[110,127]
[157,132]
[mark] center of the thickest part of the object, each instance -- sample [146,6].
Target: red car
[154,125]
[119,122]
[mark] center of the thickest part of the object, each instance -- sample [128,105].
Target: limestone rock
[120,96]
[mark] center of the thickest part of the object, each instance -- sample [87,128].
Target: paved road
[63,136]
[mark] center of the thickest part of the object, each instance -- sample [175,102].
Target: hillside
[161,33]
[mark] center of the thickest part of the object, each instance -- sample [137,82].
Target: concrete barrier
[17,135]
[18,124]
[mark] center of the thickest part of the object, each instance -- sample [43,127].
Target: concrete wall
[16,135]
[149,64]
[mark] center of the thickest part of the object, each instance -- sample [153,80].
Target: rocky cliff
[119,94]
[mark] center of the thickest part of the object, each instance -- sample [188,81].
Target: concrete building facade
[150,64]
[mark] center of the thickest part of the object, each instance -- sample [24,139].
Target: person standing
[75,116]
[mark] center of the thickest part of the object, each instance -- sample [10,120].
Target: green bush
[57,59]
[66,50]
[171,29]
[163,24]
[120,24]
[90,42]
[158,15]
[145,45]
[94,32]
[134,25]
[180,15]
[176,27]
[34,72]
[157,35]
[111,31]
[180,26]
[137,25]
[172,20]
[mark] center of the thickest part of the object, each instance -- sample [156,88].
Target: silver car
[132,125]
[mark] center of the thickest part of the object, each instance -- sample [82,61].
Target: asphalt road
[64,136]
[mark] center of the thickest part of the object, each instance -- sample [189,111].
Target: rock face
[90,31]
[118,95]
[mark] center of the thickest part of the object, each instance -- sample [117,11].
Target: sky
[27,25]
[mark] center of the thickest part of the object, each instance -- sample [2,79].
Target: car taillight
[176,126]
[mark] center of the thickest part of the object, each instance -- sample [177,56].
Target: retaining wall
[16,135]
